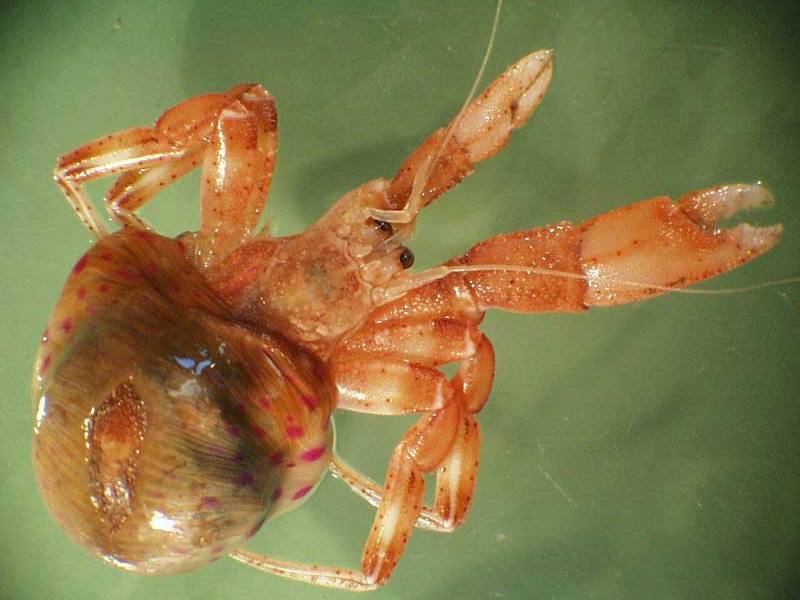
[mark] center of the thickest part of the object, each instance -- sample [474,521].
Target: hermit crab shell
[160,423]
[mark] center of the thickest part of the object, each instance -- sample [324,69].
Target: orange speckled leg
[456,476]
[425,341]
[242,127]
[237,173]
[388,386]
[388,366]
[177,134]
[134,189]
[422,449]
[187,125]
[385,369]
[475,376]
[132,149]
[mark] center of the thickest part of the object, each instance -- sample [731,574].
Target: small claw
[484,127]
[478,132]
[755,241]
[539,65]
[712,205]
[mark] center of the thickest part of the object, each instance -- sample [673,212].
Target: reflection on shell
[152,444]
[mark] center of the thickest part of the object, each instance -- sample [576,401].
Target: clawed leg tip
[758,239]
[545,55]
[749,195]
[711,206]
[528,81]
[536,63]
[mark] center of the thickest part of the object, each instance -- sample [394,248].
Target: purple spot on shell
[80,265]
[313,454]
[238,457]
[265,403]
[310,401]
[180,551]
[218,549]
[46,362]
[290,465]
[295,431]
[260,431]
[233,431]
[277,494]
[150,269]
[106,256]
[245,479]
[125,274]
[66,325]
[302,492]
[276,458]
[209,502]
[81,293]
[319,371]
[104,288]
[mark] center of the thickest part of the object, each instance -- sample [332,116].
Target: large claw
[647,248]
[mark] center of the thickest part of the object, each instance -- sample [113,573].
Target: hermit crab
[184,388]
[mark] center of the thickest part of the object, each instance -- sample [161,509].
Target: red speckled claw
[644,249]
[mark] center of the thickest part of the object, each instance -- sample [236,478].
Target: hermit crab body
[184,388]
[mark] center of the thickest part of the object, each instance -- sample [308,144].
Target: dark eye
[406,258]
[383,226]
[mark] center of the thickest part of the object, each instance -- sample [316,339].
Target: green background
[647,451]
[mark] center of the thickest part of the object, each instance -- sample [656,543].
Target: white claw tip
[722,202]
[543,56]
[757,239]
[748,195]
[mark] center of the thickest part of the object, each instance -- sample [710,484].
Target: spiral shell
[158,418]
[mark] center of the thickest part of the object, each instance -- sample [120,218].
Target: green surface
[648,451]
